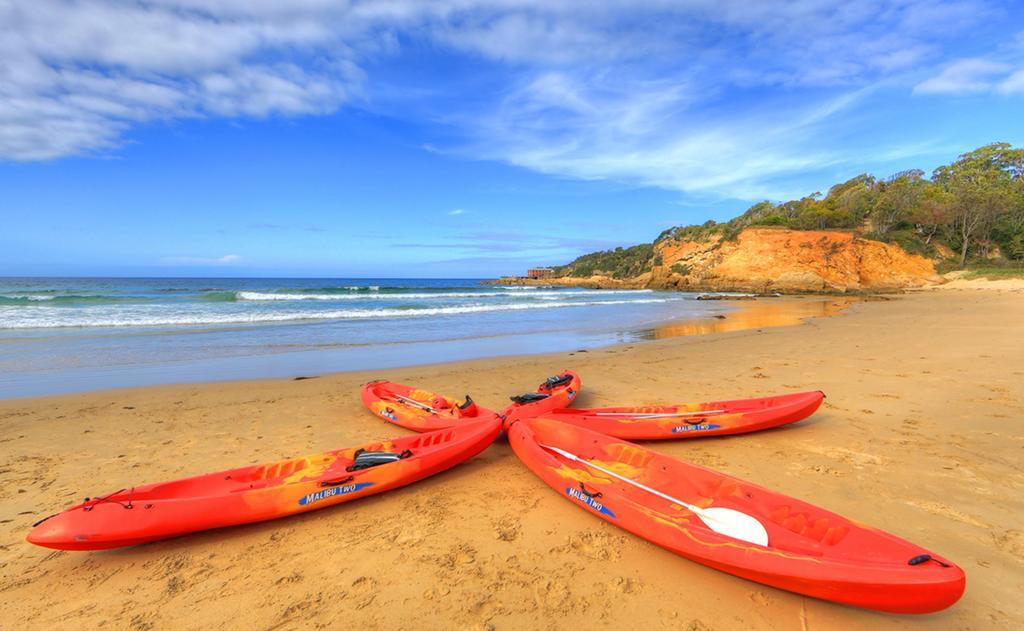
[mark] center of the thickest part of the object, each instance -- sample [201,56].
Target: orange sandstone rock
[773,259]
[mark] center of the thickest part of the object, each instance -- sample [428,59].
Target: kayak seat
[367,459]
[529,397]
[554,382]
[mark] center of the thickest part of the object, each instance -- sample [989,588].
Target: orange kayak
[424,411]
[683,508]
[691,420]
[255,493]
[418,409]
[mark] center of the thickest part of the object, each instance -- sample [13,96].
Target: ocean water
[73,334]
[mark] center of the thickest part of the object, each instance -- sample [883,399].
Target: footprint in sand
[760,598]
[824,470]
[593,545]
[626,585]
[364,590]
[937,508]
[1011,541]
[506,528]
[554,596]
[294,577]
[459,555]
[436,593]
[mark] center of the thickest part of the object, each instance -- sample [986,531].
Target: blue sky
[461,138]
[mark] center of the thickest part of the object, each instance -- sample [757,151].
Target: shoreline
[487,545]
[737,314]
[755,291]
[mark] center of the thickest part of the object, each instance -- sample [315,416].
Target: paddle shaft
[415,403]
[574,458]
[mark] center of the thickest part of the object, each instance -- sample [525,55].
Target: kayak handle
[337,482]
[924,558]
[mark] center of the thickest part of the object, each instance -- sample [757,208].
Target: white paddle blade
[732,523]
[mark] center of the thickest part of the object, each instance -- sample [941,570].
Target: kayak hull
[255,493]
[694,420]
[810,550]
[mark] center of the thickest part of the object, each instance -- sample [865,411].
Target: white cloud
[1013,84]
[966,76]
[457,211]
[226,260]
[645,133]
[75,76]
[623,90]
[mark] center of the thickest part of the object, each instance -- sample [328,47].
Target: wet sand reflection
[758,314]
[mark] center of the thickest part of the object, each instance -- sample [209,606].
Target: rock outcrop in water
[766,260]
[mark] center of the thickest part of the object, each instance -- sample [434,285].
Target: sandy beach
[921,435]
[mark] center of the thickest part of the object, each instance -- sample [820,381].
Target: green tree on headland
[974,206]
[896,200]
[984,185]
[971,205]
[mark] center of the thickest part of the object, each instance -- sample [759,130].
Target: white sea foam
[50,317]
[265,296]
[31,297]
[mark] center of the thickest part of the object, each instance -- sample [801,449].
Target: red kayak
[691,420]
[554,393]
[418,409]
[735,526]
[259,492]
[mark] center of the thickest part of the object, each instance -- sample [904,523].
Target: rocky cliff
[769,260]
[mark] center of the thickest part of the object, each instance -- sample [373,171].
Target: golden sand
[922,435]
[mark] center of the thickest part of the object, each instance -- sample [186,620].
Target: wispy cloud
[510,243]
[1013,84]
[226,260]
[1001,70]
[966,76]
[457,211]
[647,133]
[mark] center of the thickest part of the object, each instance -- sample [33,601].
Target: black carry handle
[529,397]
[337,482]
[924,558]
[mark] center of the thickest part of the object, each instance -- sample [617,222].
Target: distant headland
[865,234]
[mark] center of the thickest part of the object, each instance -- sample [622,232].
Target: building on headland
[539,272]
